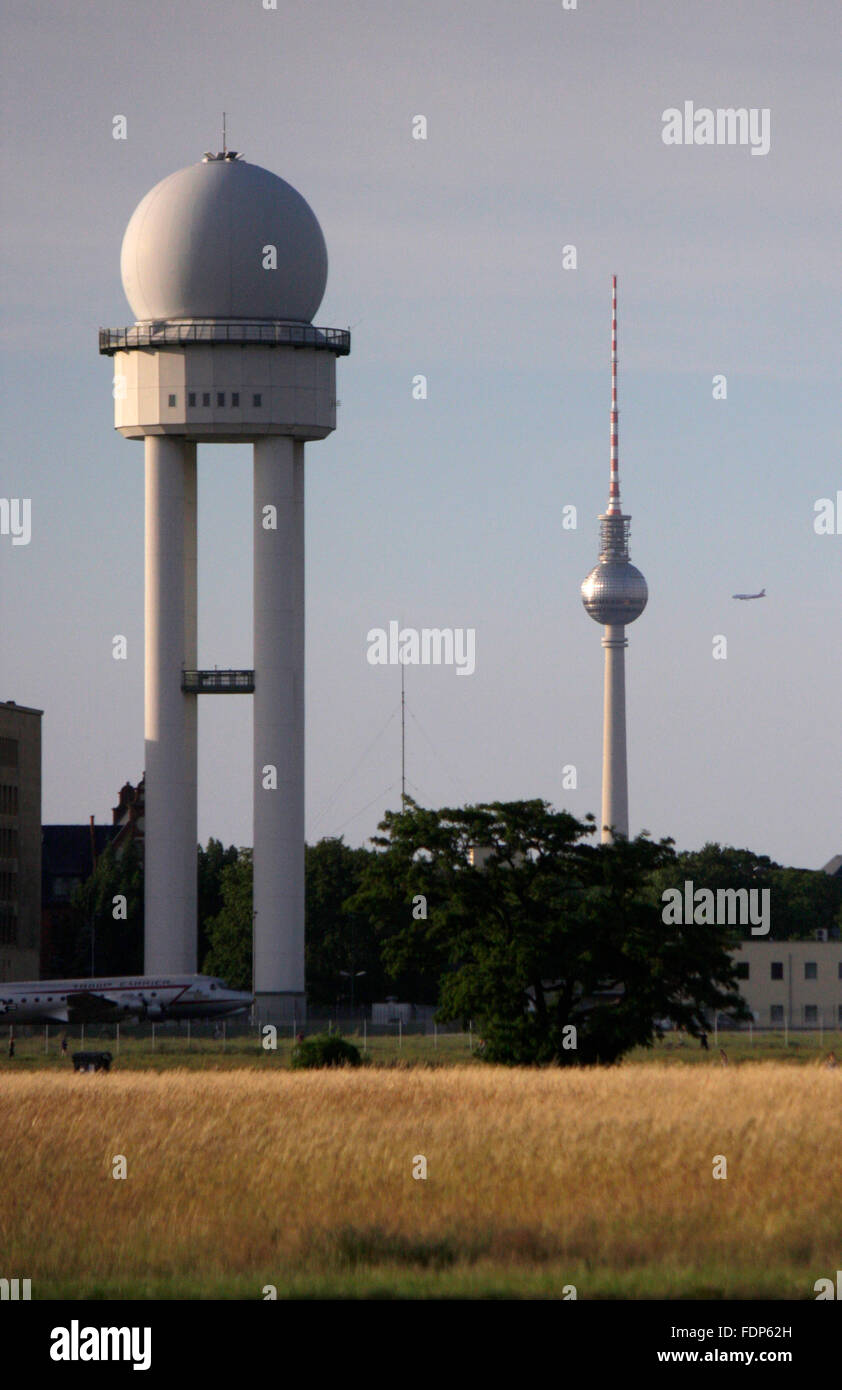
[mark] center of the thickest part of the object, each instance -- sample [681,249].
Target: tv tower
[614,594]
[224,265]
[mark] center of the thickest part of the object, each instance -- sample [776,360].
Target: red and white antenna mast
[614,483]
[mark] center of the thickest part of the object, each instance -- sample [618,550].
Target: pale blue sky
[445,258]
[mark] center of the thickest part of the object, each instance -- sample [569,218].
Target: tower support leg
[170,715]
[278,903]
[191,712]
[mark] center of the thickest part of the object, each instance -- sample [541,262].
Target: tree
[230,931]
[338,937]
[804,901]
[717,867]
[801,900]
[555,948]
[391,893]
[107,916]
[212,861]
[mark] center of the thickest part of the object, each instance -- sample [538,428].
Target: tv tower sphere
[224,265]
[614,594]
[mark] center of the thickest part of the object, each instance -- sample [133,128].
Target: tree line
[507,913]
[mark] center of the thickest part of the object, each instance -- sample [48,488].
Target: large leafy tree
[535,933]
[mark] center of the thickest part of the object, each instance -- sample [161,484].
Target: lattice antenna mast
[614,483]
[403,736]
[614,527]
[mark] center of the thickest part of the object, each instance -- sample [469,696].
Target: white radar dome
[202,242]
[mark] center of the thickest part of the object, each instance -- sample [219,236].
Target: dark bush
[325,1050]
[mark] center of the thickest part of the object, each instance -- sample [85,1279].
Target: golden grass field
[536,1180]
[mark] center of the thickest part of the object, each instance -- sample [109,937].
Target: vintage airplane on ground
[762,594]
[153,998]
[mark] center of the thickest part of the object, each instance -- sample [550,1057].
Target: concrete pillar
[170,814]
[191,709]
[615,789]
[279,727]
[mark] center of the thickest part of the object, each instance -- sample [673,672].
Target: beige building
[20,841]
[792,983]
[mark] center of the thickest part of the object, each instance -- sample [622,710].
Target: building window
[839,1012]
[172,399]
[235,399]
[257,400]
[776,1013]
[206,398]
[811,1013]
[8,926]
[8,842]
[840,969]
[742,969]
[191,397]
[8,752]
[810,970]
[777,969]
[220,397]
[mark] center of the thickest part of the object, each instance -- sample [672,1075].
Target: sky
[544,130]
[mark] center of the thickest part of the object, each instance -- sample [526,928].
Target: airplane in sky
[762,594]
[142,998]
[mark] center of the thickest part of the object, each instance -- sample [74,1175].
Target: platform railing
[217,682]
[156,335]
